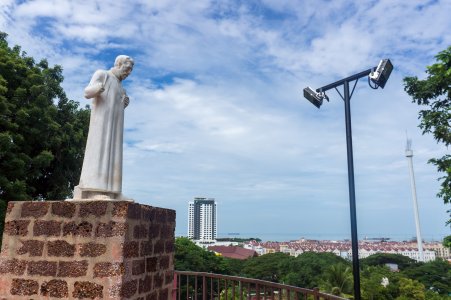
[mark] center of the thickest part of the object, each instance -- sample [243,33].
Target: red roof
[233,252]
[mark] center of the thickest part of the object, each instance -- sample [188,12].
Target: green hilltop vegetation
[328,272]
[42,132]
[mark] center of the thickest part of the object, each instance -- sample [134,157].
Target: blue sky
[217,108]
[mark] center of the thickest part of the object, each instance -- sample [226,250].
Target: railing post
[204,288]
[255,288]
[174,287]
[316,293]
[226,289]
[195,287]
[187,287]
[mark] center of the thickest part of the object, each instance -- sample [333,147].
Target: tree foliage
[331,273]
[434,275]
[42,132]
[337,280]
[190,257]
[378,282]
[310,267]
[380,259]
[434,93]
[269,267]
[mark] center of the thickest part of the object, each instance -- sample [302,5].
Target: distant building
[233,252]
[344,249]
[202,219]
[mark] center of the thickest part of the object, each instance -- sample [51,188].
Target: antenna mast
[409,155]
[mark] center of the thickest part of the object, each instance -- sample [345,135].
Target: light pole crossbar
[347,79]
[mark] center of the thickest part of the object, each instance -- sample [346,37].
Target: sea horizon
[286,237]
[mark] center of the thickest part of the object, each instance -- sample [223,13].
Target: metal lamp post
[378,76]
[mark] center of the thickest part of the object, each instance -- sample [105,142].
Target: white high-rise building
[202,219]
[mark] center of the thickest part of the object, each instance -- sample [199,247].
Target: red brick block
[169,246]
[152,296]
[146,213]
[55,288]
[120,209]
[22,287]
[95,208]
[154,231]
[47,228]
[167,231]
[42,268]
[12,266]
[131,249]
[140,231]
[92,249]
[17,227]
[138,267]
[163,294]
[86,289]
[164,262]
[72,268]
[145,285]
[36,209]
[81,229]
[151,264]
[158,248]
[111,229]
[32,247]
[134,211]
[161,216]
[108,269]
[60,248]
[169,277]
[63,209]
[146,248]
[158,280]
[129,288]
[171,214]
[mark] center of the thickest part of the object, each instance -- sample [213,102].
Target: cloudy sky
[217,108]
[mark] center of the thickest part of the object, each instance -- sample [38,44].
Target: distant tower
[202,219]
[409,155]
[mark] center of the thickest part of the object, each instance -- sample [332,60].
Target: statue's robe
[102,164]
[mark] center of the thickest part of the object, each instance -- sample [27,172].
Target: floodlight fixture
[316,98]
[381,74]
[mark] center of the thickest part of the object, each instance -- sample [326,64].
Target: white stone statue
[101,174]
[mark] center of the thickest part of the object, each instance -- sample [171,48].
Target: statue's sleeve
[96,84]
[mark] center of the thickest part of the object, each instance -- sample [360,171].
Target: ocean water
[285,237]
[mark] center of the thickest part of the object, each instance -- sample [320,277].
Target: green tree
[190,257]
[378,282]
[434,93]
[434,275]
[380,259]
[270,267]
[307,269]
[235,265]
[410,290]
[42,132]
[447,242]
[337,280]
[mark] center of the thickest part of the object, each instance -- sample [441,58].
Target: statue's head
[123,66]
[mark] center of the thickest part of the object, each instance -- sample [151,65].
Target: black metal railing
[208,286]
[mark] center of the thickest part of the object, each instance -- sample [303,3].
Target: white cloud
[217,109]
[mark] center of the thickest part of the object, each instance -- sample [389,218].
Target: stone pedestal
[87,250]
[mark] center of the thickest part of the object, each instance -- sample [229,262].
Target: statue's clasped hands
[126,101]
